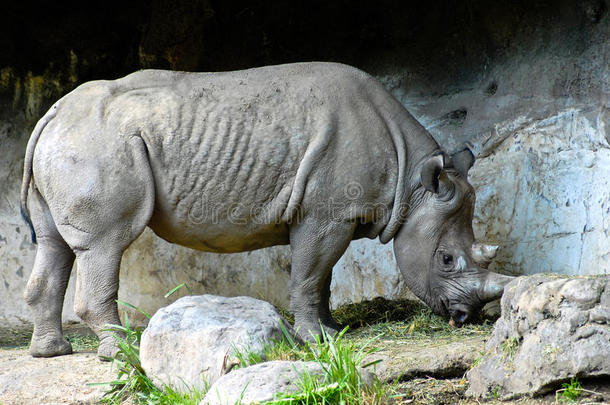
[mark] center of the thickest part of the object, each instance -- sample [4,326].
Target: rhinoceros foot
[331,326]
[309,331]
[107,348]
[49,346]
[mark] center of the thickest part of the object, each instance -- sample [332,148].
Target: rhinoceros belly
[224,165]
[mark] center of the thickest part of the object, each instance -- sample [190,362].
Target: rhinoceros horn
[493,287]
[462,161]
[483,254]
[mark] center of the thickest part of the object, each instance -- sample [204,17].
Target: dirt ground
[421,361]
[58,380]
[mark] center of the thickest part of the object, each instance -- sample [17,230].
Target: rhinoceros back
[225,148]
[231,153]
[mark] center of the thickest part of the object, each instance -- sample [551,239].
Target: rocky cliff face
[525,85]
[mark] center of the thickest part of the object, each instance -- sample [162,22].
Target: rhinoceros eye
[447,259]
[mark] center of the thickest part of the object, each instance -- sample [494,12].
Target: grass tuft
[510,347]
[569,392]
[131,381]
[406,320]
[343,381]
[83,343]
[375,311]
[342,361]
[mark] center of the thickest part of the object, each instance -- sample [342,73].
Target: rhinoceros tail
[27,166]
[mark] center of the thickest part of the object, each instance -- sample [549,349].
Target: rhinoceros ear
[463,161]
[431,171]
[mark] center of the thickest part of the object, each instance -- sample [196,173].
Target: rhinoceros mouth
[458,312]
[458,317]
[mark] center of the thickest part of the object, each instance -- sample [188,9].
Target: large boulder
[552,328]
[190,343]
[261,382]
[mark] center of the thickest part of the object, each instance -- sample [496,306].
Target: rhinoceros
[313,155]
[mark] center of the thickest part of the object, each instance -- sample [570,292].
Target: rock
[264,381]
[192,340]
[492,310]
[409,359]
[260,382]
[552,329]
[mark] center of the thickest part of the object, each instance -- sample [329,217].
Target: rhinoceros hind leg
[107,206]
[45,294]
[97,284]
[314,253]
[47,284]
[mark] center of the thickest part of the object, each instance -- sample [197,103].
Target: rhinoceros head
[435,247]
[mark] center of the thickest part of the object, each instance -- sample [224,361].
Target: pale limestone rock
[260,382]
[552,329]
[194,339]
[265,381]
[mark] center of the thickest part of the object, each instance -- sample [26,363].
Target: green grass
[407,320]
[343,361]
[479,359]
[510,347]
[131,378]
[285,348]
[495,392]
[131,381]
[569,392]
[83,343]
[343,381]
[312,392]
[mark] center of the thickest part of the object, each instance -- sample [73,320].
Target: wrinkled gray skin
[313,155]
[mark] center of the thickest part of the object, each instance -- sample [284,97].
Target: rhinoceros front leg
[325,315]
[316,246]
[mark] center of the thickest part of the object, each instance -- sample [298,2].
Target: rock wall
[525,85]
